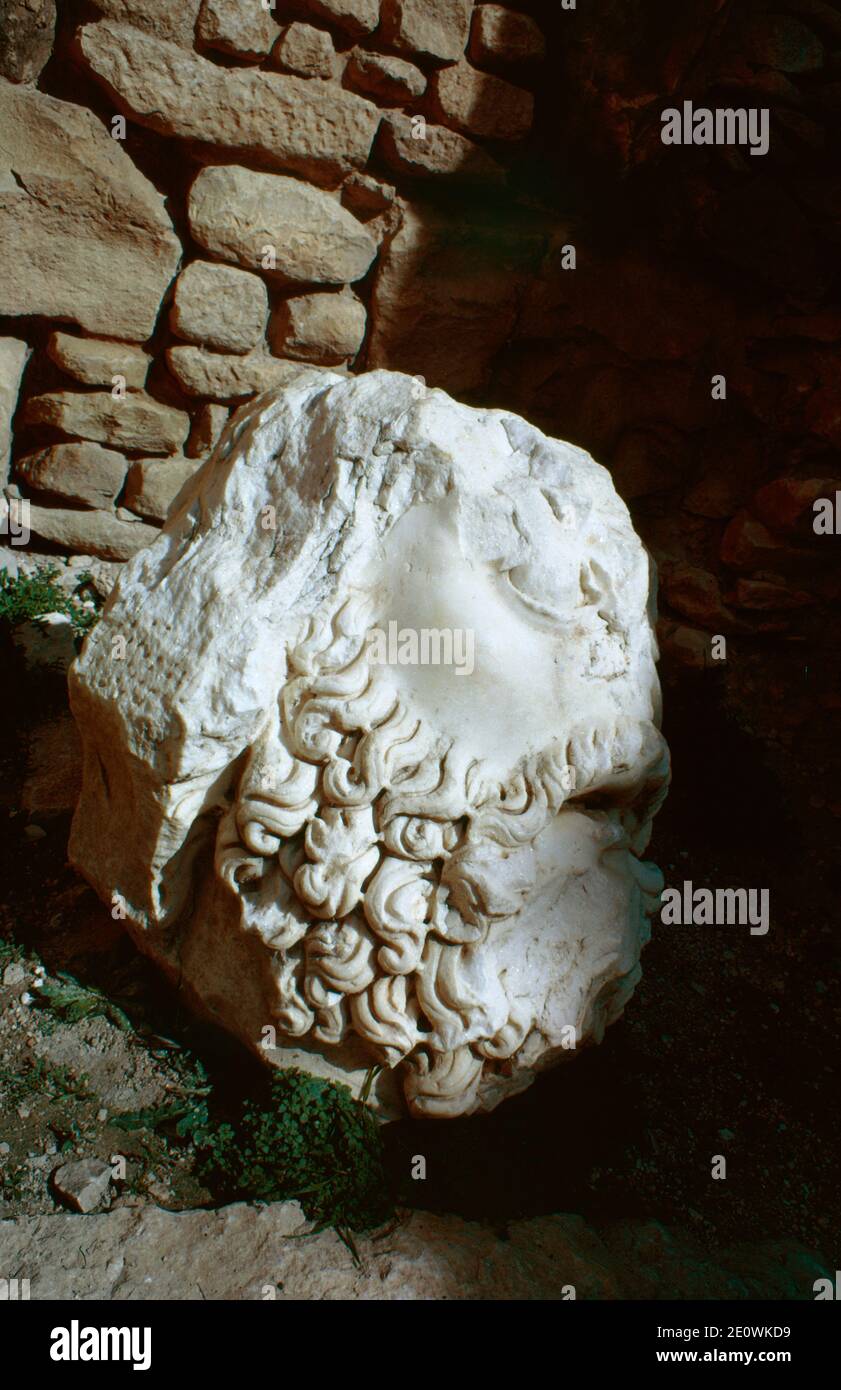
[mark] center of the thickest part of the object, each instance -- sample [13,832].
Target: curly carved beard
[369,860]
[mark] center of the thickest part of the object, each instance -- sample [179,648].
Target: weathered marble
[347,857]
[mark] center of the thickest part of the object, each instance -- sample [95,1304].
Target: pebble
[83,1184]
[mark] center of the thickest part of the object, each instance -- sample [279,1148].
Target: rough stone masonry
[286,145]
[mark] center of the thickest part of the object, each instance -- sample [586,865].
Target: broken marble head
[374,776]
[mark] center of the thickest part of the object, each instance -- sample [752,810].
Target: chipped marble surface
[375,768]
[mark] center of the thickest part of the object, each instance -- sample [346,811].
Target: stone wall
[202,195]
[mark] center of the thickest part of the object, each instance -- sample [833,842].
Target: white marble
[317,826]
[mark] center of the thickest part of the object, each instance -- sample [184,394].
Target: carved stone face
[440,716]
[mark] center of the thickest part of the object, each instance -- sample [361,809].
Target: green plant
[41,1078]
[12,1183]
[59,1081]
[309,1140]
[299,1138]
[68,1136]
[186,1118]
[30,597]
[71,1001]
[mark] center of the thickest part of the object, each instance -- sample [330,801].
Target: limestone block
[95,361]
[292,231]
[380,766]
[366,196]
[436,28]
[104,534]
[225,376]
[761,595]
[245,30]
[787,504]
[315,129]
[747,544]
[83,235]
[440,152]
[153,484]
[161,18]
[355,17]
[84,473]
[326,328]
[219,307]
[499,36]
[478,103]
[133,422]
[383,76]
[446,295]
[305,50]
[26,38]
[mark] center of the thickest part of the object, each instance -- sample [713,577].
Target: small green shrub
[69,1000]
[310,1140]
[29,597]
[12,1182]
[300,1138]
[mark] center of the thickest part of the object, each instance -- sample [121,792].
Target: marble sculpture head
[376,768]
